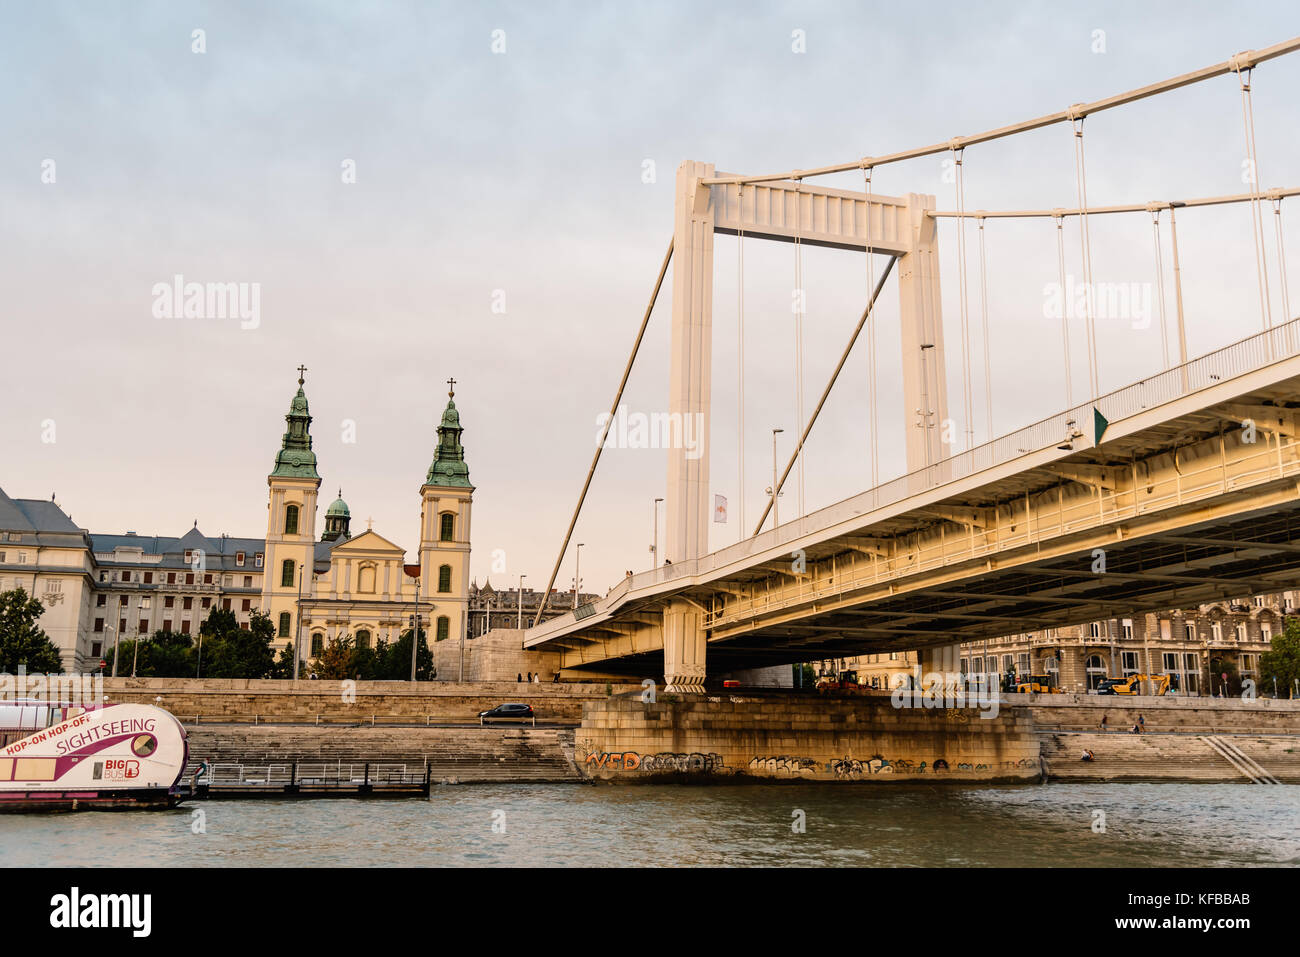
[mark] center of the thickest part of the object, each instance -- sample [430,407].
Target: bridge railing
[1246,355]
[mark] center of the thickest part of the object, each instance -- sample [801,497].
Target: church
[338,584]
[311,575]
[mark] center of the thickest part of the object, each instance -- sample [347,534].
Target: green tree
[336,659]
[284,663]
[232,652]
[396,662]
[166,655]
[22,642]
[1282,661]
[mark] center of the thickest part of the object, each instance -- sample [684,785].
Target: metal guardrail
[287,774]
[1247,355]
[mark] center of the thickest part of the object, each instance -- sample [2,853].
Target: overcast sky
[523,172]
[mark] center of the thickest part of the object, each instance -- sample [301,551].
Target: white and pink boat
[70,758]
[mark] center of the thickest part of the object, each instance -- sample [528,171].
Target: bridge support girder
[684,648]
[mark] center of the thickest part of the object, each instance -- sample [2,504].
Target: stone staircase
[453,755]
[1119,756]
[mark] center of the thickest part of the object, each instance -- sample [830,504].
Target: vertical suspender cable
[969,411]
[1256,214]
[801,303]
[1281,257]
[1065,310]
[1160,282]
[871,345]
[984,318]
[1085,240]
[740,353]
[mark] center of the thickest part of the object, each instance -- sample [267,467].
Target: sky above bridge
[420,191]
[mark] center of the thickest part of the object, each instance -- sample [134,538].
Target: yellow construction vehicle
[1038,684]
[1132,685]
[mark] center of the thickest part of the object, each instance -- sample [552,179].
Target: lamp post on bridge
[654,547]
[775,520]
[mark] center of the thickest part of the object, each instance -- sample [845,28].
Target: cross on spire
[301,370]
[370,524]
[451,388]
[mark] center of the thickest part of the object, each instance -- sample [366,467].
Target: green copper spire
[449,466]
[295,458]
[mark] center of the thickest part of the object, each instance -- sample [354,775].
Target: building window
[444,578]
[148,578]
[167,624]
[363,638]
[126,575]
[444,628]
[187,604]
[1241,631]
[169,601]
[286,573]
[144,626]
[317,644]
[121,626]
[225,604]
[189,555]
[99,624]
[207,602]
[248,581]
[284,625]
[257,560]
[291,520]
[1129,662]
[207,579]
[171,578]
[448,526]
[1265,632]
[239,559]
[1190,632]
[246,604]
[96,649]
[189,578]
[1216,630]
[100,600]
[121,600]
[366,579]
[1096,669]
[1126,629]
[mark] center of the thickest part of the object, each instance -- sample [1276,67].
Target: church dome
[338,508]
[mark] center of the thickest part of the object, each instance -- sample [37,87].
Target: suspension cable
[1256,213]
[1160,284]
[984,319]
[871,346]
[1281,251]
[1065,312]
[801,301]
[740,354]
[1085,240]
[968,411]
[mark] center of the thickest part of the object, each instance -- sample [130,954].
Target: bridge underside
[1184,502]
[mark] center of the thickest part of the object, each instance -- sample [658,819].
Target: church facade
[101,589]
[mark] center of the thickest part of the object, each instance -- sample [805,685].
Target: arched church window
[291,520]
[286,573]
[448,527]
[444,578]
[363,638]
[317,644]
[366,581]
[285,619]
[444,628]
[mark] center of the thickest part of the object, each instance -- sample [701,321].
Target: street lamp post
[775,521]
[297,627]
[415,627]
[520,623]
[116,635]
[144,609]
[577,576]
[654,547]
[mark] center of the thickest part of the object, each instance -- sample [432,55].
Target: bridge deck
[1001,538]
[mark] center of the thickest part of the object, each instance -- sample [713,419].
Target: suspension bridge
[1181,488]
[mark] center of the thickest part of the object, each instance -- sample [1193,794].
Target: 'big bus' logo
[121,769]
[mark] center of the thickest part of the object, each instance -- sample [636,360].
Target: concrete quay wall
[734,737]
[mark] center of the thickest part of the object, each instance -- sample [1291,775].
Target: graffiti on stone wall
[694,763]
[784,764]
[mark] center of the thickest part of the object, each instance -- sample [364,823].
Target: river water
[671,825]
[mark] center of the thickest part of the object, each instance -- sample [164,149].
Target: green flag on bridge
[1099,423]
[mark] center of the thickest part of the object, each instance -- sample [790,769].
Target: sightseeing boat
[72,758]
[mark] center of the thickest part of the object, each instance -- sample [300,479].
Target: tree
[166,655]
[336,659]
[283,667]
[22,642]
[1282,661]
[396,662]
[233,652]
